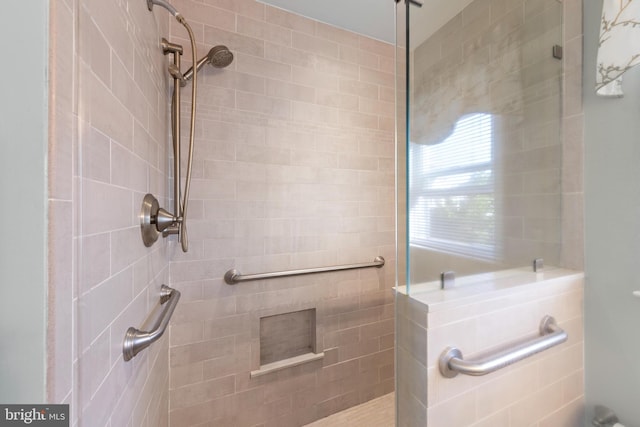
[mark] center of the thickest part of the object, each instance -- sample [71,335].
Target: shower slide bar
[234,276]
[136,340]
[451,362]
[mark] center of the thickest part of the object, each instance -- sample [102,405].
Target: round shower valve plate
[148,215]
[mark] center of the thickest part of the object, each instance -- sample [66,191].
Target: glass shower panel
[401,145]
[483,145]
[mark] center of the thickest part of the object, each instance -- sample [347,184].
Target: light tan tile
[264,31]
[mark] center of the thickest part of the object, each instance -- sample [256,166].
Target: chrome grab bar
[234,276]
[136,340]
[451,362]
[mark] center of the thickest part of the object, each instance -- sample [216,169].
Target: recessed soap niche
[287,340]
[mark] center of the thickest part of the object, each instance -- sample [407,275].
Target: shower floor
[378,412]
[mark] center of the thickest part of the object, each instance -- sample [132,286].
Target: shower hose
[184,240]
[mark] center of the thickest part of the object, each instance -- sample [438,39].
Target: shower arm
[188,75]
[162,3]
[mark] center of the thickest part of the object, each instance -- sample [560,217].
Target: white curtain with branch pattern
[619,45]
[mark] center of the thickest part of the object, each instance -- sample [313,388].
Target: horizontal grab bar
[234,276]
[451,362]
[136,340]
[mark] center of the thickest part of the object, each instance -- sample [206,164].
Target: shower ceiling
[374,18]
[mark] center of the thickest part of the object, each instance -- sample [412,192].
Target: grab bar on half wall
[451,362]
[234,276]
[136,340]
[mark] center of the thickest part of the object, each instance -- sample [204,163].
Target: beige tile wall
[107,149]
[294,168]
[546,389]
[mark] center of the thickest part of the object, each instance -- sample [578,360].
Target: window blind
[452,191]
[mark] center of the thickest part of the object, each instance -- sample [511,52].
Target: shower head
[219,57]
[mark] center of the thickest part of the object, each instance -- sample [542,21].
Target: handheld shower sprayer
[218,57]
[153,219]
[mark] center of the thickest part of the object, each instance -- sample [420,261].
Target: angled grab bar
[234,276]
[136,340]
[451,362]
